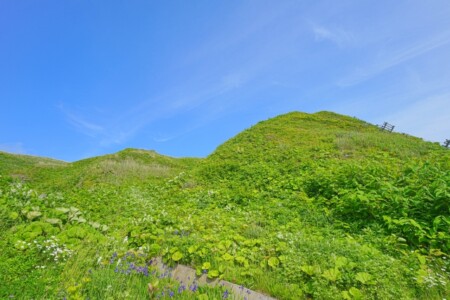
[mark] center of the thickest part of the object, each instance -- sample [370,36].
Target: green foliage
[301,206]
[364,278]
[273,262]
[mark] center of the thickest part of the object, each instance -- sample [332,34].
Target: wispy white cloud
[233,80]
[120,128]
[176,103]
[104,131]
[384,62]
[80,123]
[427,118]
[201,89]
[90,128]
[338,36]
[163,139]
[13,148]
[251,20]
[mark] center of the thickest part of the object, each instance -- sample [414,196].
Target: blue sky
[85,78]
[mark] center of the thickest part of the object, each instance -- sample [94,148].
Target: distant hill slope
[125,166]
[11,162]
[23,167]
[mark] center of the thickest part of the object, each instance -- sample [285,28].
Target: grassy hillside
[127,166]
[301,206]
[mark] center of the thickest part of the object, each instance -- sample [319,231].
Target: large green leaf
[206,265]
[310,270]
[273,262]
[332,274]
[33,215]
[227,256]
[364,278]
[177,256]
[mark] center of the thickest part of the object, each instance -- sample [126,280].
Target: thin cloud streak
[399,56]
[247,22]
[164,139]
[238,58]
[222,79]
[79,122]
[338,36]
[427,117]
[177,101]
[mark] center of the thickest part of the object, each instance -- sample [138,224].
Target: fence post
[447,143]
[386,126]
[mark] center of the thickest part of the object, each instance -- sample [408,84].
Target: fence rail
[447,143]
[387,127]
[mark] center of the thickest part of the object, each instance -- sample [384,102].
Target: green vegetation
[301,206]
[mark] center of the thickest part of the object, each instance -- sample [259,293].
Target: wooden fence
[447,143]
[387,127]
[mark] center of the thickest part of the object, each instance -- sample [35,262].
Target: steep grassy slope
[302,136]
[344,164]
[300,206]
[299,144]
[386,190]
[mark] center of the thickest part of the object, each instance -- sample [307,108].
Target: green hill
[127,166]
[307,135]
[301,206]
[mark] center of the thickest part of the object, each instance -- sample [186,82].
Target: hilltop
[128,165]
[305,135]
[300,206]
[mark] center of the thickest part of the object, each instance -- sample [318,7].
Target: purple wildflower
[193,287]
[113,257]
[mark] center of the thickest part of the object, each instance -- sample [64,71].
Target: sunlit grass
[299,207]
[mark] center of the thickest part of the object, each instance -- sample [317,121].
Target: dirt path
[187,276]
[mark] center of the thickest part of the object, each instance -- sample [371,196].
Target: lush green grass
[318,206]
